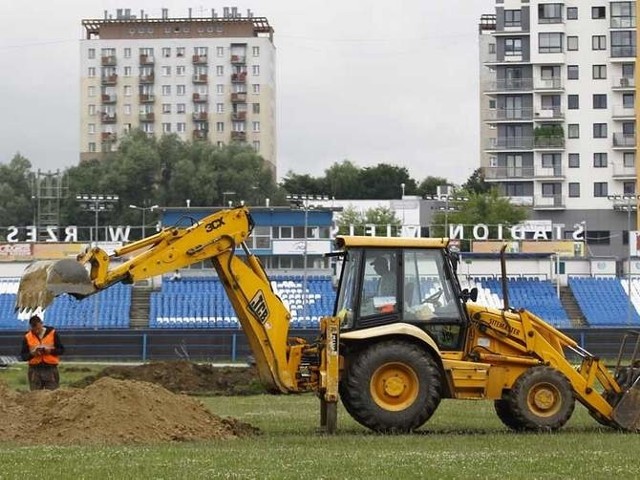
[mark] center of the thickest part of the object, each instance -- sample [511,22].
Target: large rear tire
[541,400]
[391,387]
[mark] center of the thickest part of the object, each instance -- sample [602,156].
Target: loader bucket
[42,281]
[627,412]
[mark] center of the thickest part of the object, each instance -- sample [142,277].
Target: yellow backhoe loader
[403,334]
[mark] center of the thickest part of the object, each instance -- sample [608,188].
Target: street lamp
[97,203]
[144,210]
[627,203]
[451,204]
[302,201]
[224,197]
[402,185]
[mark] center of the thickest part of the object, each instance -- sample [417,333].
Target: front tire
[391,387]
[541,399]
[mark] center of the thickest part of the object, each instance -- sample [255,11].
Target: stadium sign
[30,234]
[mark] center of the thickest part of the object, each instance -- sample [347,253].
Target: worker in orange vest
[41,347]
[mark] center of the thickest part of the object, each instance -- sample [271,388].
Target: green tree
[476,183]
[380,217]
[343,180]
[385,181]
[429,186]
[16,189]
[304,184]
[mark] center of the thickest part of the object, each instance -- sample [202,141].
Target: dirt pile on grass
[110,411]
[187,377]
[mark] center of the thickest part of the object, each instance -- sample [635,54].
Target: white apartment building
[558,111]
[199,77]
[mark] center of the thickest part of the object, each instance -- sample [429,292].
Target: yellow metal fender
[394,329]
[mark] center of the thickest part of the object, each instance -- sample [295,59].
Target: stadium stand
[538,296]
[603,301]
[200,302]
[107,309]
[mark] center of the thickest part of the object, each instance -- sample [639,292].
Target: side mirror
[467,294]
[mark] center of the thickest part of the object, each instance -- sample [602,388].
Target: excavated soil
[186,377]
[110,411]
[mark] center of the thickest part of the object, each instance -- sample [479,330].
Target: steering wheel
[433,298]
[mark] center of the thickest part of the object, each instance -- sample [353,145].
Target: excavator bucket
[627,412]
[42,281]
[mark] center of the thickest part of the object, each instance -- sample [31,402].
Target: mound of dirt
[110,411]
[186,377]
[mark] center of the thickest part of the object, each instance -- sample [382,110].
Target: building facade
[199,77]
[558,94]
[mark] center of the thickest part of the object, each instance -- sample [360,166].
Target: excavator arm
[216,238]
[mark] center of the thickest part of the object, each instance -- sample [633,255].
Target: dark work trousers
[43,377]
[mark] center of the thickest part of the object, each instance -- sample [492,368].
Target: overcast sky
[364,80]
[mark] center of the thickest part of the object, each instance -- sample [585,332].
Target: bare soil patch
[110,411]
[187,377]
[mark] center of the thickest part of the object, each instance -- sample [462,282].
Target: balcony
[108,117]
[199,134]
[109,79]
[508,114]
[200,78]
[549,202]
[147,78]
[199,60]
[200,116]
[623,112]
[147,98]
[238,136]
[147,117]
[108,98]
[623,172]
[548,84]
[147,60]
[109,61]
[238,59]
[239,77]
[108,137]
[626,51]
[508,173]
[510,143]
[546,114]
[239,97]
[624,83]
[238,116]
[554,171]
[624,140]
[551,143]
[510,85]
[200,97]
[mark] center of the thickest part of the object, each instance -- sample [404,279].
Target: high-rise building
[558,113]
[199,77]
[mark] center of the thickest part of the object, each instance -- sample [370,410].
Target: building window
[512,47]
[91,53]
[91,91]
[181,127]
[91,128]
[127,71]
[629,188]
[599,72]
[599,101]
[181,107]
[166,71]
[512,18]
[599,42]
[623,14]
[166,52]
[166,90]
[599,130]
[91,72]
[256,126]
[220,127]
[219,107]
[256,146]
[599,237]
[573,130]
[574,190]
[220,89]
[572,44]
[598,12]
[255,51]
[180,70]
[256,88]
[572,13]
[573,102]
[92,110]
[92,146]
[166,108]
[166,128]
[180,52]
[573,72]
[181,90]
[600,189]
[256,108]
[219,70]
[600,160]
[623,44]
[629,159]
[628,100]
[220,51]
[127,109]
[255,70]
[550,13]
[574,160]
[127,90]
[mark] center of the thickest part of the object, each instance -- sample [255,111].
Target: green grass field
[462,440]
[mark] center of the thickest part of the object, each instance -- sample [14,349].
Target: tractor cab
[409,280]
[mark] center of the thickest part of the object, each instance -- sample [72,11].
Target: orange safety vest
[48,340]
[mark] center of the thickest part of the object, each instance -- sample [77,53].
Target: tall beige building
[199,77]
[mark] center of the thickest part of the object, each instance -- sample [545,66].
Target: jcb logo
[258,307]
[214,224]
